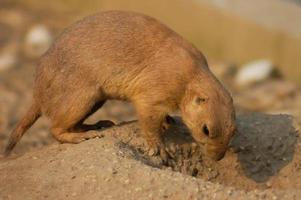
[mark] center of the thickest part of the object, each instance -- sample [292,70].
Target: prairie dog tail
[28,120]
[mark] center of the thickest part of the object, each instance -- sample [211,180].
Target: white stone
[253,72]
[37,41]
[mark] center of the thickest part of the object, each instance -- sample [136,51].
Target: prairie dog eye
[206,130]
[199,100]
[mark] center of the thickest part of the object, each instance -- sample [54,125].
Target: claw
[159,150]
[164,156]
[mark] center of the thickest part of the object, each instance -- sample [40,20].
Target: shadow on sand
[264,144]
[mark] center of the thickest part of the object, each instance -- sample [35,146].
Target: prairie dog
[133,57]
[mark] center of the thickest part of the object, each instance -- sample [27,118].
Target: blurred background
[253,47]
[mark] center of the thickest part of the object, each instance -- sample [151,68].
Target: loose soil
[264,162]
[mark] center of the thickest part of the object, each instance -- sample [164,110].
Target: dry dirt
[115,166]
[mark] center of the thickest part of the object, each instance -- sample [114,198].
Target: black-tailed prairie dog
[128,56]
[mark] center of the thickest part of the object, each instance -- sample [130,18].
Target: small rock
[113,171]
[230,192]
[37,41]
[269,184]
[7,61]
[254,72]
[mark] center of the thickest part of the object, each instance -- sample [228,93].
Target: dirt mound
[116,166]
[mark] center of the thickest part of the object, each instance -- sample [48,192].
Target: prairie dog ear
[200,100]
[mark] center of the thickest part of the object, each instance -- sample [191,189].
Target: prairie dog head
[208,111]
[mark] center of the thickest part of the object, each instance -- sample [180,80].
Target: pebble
[127,181]
[37,41]
[230,192]
[113,171]
[254,72]
[269,184]
[7,60]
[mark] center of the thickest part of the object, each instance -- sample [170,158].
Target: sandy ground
[116,167]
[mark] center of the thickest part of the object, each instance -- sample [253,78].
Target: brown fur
[128,56]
